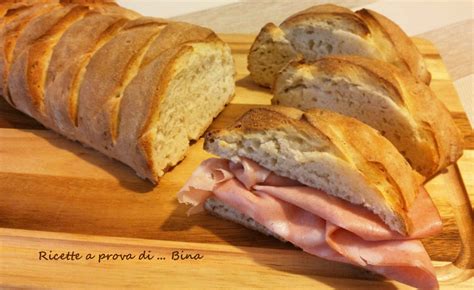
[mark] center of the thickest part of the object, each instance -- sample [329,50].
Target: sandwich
[327,183]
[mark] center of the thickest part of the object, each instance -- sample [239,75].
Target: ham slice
[318,223]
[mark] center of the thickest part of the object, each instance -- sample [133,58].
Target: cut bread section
[404,111]
[171,100]
[326,151]
[269,53]
[329,29]
[195,86]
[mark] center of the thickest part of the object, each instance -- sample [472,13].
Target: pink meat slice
[362,222]
[318,223]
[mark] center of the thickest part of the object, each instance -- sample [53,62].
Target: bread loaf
[137,89]
[404,110]
[330,29]
[327,151]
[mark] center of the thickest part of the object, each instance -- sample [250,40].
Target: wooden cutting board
[58,196]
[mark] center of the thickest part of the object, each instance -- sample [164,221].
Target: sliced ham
[318,223]
[362,222]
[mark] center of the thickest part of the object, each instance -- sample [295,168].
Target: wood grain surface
[222,266]
[49,184]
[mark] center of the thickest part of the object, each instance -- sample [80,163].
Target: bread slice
[171,101]
[404,110]
[329,29]
[137,90]
[328,151]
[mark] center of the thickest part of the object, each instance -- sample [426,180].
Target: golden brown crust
[9,7]
[18,77]
[175,34]
[335,15]
[39,54]
[9,35]
[408,53]
[429,112]
[380,162]
[68,63]
[122,53]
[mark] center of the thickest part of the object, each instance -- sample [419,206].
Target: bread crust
[122,53]
[345,138]
[408,54]
[18,77]
[336,14]
[8,7]
[68,63]
[12,28]
[432,120]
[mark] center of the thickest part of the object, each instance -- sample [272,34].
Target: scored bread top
[328,151]
[435,143]
[335,16]
[9,7]
[12,28]
[391,40]
[407,54]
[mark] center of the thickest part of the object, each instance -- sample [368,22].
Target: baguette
[328,151]
[137,89]
[330,29]
[381,95]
